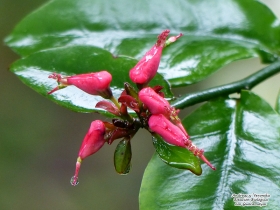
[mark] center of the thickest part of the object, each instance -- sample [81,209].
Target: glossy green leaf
[216,32]
[177,157]
[34,70]
[242,139]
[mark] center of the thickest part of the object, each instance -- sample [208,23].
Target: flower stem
[246,83]
[114,100]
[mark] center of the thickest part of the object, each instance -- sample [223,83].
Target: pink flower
[97,83]
[154,102]
[167,130]
[175,136]
[147,67]
[92,142]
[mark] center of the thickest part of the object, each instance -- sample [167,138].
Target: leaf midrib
[228,162]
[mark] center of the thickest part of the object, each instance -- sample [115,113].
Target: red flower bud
[92,142]
[167,130]
[147,67]
[97,83]
[154,102]
[175,136]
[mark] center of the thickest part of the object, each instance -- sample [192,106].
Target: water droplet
[127,170]
[74,181]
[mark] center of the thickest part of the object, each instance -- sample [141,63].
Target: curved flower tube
[175,136]
[97,83]
[147,67]
[92,142]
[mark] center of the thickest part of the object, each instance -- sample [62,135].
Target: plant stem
[114,100]
[246,83]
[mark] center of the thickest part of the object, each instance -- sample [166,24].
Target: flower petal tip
[53,90]
[202,157]
[162,38]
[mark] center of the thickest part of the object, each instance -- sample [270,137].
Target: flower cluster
[153,111]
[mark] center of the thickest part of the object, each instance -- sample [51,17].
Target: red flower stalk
[97,83]
[92,142]
[147,67]
[118,129]
[175,136]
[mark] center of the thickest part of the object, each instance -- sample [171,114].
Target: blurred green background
[39,140]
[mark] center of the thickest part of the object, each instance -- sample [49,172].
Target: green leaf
[216,32]
[242,139]
[34,70]
[177,157]
[122,157]
[278,103]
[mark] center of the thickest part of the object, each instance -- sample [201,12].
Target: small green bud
[130,90]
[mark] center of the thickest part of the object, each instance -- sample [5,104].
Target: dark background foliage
[39,140]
